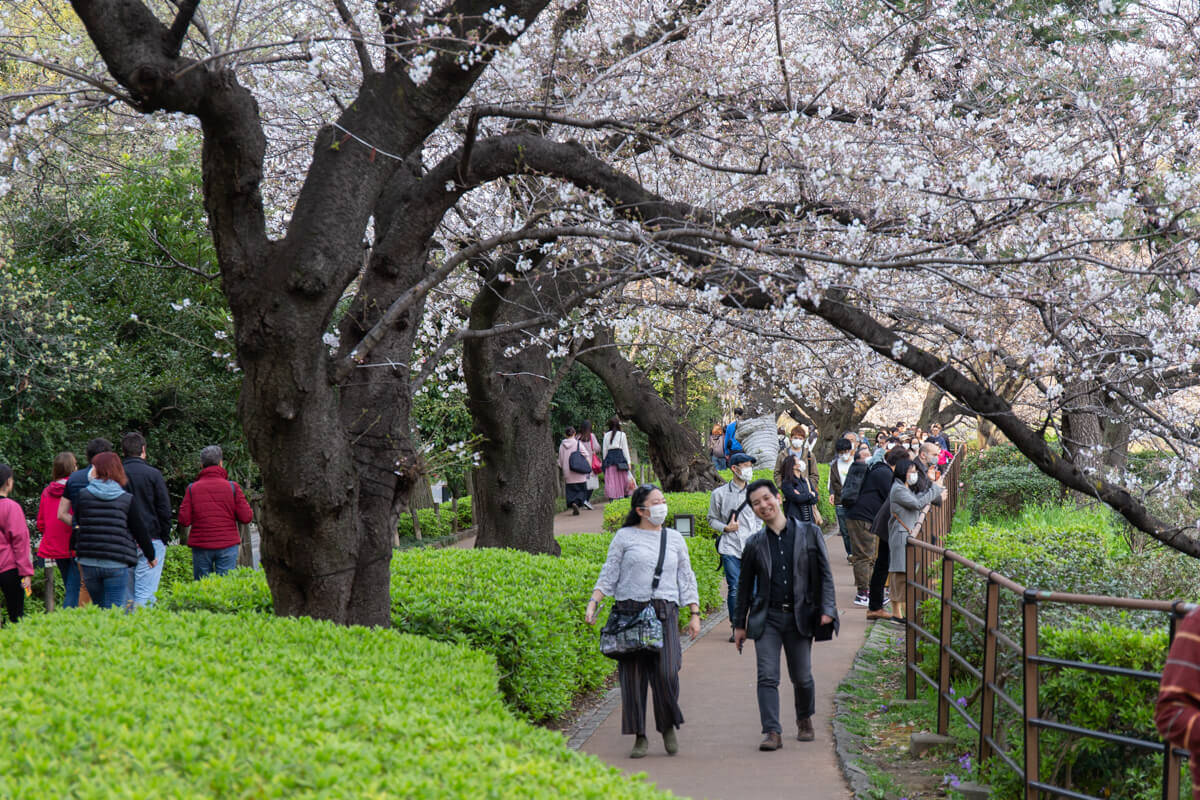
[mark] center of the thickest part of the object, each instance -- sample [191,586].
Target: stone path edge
[588,721]
[849,745]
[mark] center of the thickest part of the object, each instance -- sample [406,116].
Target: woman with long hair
[906,504]
[628,576]
[107,536]
[56,534]
[616,459]
[798,496]
[16,567]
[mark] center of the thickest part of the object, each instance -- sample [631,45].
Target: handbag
[577,461]
[597,467]
[628,633]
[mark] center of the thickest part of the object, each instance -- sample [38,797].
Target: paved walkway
[718,745]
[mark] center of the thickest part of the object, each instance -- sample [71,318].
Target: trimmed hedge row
[198,705]
[593,548]
[436,525]
[525,610]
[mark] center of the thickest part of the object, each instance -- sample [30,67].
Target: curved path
[718,755]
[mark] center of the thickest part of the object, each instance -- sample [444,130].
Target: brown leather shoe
[772,741]
[880,614]
[804,730]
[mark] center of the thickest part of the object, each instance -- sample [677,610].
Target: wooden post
[48,592]
[944,643]
[1029,609]
[987,709]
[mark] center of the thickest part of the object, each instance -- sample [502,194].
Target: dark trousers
[879,576]
[14,593]
[659,672]
[781,633]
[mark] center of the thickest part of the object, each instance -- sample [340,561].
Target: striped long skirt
[659,672]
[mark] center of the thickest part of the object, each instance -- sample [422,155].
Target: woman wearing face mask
[799,499]
[906,505]
[627,576]
[797,445]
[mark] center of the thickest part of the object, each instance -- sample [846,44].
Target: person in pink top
[16,567]
[56,534]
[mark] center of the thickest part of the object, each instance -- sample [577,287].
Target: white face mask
[797,443]
[912,479]
[747,473]
[801,467]
[844,458]
[658,513]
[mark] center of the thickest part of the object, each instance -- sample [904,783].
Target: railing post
[945,641]
[1171,762]
[987,707]
[910,638]
[1029,649]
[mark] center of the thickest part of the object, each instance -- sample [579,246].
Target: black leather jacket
[812,591]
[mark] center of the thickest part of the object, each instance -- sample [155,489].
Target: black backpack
[852,486]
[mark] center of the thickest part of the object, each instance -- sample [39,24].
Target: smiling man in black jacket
[785,592]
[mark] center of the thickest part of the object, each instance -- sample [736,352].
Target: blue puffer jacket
[106,529]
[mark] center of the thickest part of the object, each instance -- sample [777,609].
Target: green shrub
[436,525]
[593,548]
[694,503]
[526,610]
[250,706]
[1002,491]
[1001,455]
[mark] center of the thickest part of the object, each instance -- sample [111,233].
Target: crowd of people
[583,460]
[777,569]
[106,525]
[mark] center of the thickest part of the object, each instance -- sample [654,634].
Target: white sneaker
[588,506]
[862,600]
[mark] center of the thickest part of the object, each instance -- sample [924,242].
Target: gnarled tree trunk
[679,457]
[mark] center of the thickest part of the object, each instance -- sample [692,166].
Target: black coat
[875,489]
[798,498]
[106,529]
[811,598]
[153,506]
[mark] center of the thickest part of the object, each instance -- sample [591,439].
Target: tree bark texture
[509,395]
[677,454]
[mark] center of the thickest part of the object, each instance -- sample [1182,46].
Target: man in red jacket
[212,508]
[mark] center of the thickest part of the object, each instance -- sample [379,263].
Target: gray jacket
[906,508]
[725,500]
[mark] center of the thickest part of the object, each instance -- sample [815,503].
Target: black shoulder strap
[745,502]
[662,554]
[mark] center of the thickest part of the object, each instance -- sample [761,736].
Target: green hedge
[436,525]
[250,706]
[593,548]
[1002,491]
[526,610]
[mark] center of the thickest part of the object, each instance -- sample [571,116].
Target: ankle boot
[670,741]
[640,746]
[804,730]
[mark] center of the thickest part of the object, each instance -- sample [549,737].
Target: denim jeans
[146,577]
[781,632]
[110,587]
[720,462]
[843,530]
[208,562]
[68,570]
[733,570]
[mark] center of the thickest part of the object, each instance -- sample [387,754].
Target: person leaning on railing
[1177,712]
[906,510]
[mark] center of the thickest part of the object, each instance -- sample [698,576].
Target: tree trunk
[509,400]
[679,456]
[832,418]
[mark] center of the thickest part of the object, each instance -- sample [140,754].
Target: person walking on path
[716,447]
[108,533]
[859,516]
[730,515]
[628,575]
[799,501]
[593,480]
[56,534]
[906,509]
[616,459]
[877,595]
[16,567]
[153,506]
[785,592]
[211,509]
[839,468]
[574,476]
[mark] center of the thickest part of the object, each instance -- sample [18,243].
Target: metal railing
[925,557]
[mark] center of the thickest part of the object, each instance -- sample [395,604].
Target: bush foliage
[437,524]
[1003,490]
[525,610]
[199,705]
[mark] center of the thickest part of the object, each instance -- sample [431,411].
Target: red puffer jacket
[213,506]
[56,535]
